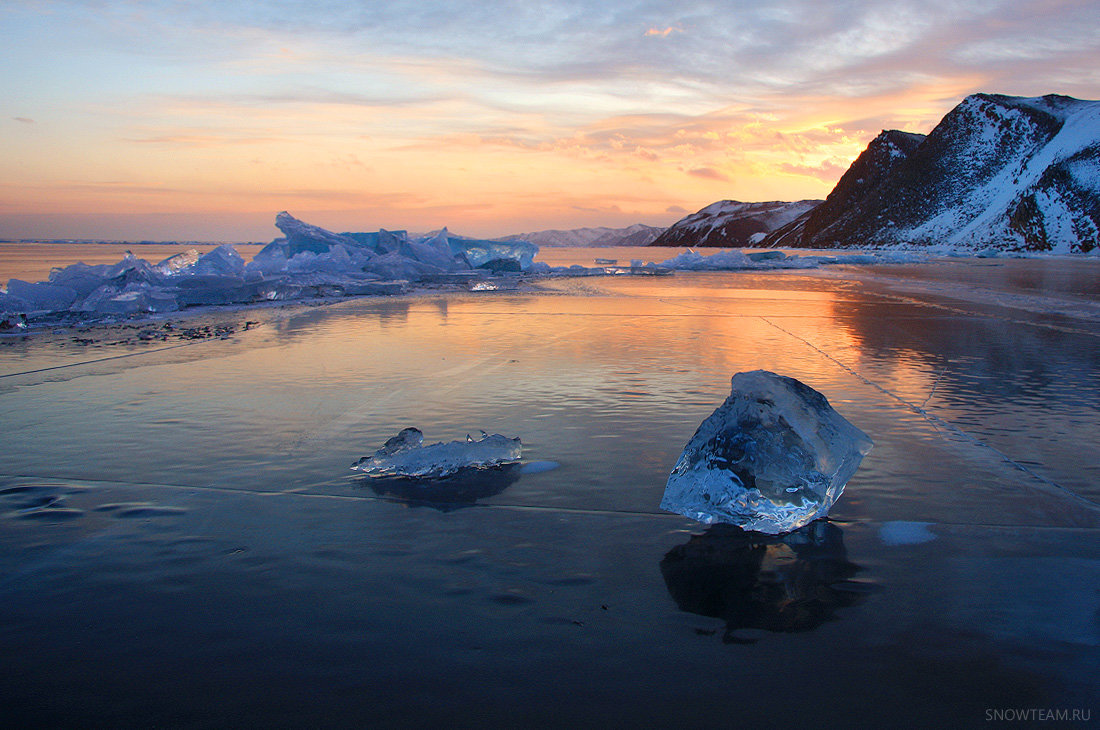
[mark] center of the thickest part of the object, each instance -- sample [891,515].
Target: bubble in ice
[773,457]
[405,455]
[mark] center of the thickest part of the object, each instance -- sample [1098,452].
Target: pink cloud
[708,173]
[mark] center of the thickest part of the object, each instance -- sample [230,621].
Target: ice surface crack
[940,423]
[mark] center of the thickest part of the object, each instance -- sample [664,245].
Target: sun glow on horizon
[487,123]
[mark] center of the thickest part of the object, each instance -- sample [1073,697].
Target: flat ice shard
[774,457]
[405,455]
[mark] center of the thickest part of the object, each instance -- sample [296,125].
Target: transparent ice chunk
[132,299]
[381,241]
[175,264]
[405,455]
[223,261]
[132,270]
[271,260]
[334,260]
[773,457]
[494,255]
[395,266]
[434,251]
[81,277]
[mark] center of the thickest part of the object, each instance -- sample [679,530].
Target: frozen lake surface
[182,543]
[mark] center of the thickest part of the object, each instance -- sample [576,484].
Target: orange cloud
[664,33]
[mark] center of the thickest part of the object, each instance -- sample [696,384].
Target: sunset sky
[201,120]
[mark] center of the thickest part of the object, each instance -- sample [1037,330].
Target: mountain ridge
[1002,172]
[637,234]
[729,223]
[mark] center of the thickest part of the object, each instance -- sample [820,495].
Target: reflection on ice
[899,532]
[790,583]
[405,455]
[446,494]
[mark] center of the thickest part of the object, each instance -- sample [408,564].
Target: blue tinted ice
[42,296]
[404,455]
[495,255]
[772,458]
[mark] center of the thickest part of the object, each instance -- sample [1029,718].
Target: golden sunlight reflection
[608,344]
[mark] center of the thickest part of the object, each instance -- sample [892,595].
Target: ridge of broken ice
[309,262]
[773,457]
[404,455]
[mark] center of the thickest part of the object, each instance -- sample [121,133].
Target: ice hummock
[308,261]
[773,457]
[494,255]
[404,455]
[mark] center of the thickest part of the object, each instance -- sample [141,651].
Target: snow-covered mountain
[635,235]
[732,223]
[1005,172]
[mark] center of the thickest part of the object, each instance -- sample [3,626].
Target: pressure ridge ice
[405,455]
[773,457]
[306,262]
[309,262]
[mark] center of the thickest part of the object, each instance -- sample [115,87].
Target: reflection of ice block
[405,455]
[773,457]
[780,583]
